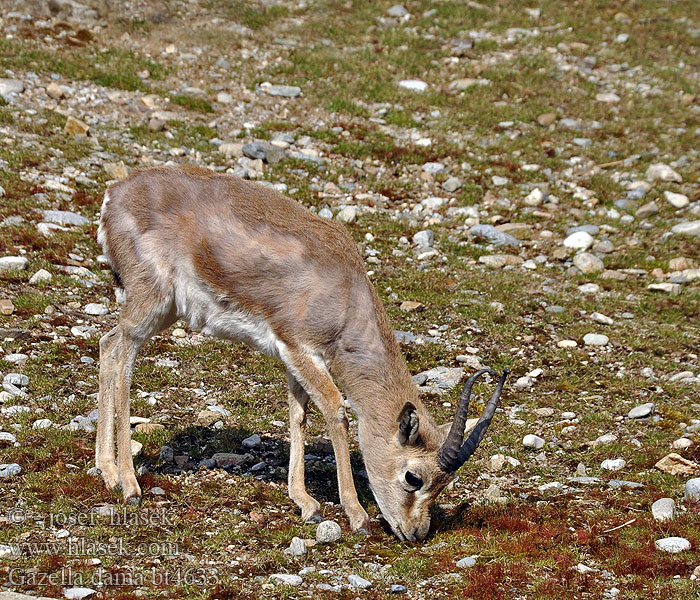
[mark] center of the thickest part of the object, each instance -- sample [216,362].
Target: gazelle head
[419,460]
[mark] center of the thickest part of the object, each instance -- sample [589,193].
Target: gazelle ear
[408,425]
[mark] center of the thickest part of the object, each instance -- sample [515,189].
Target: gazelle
[239,261]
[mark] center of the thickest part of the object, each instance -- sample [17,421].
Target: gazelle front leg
[320,387]
[298,402]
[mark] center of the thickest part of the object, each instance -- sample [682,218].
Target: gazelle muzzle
[455,451]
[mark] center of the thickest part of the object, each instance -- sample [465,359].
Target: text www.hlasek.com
[77,546]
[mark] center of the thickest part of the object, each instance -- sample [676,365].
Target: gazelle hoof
[134,501]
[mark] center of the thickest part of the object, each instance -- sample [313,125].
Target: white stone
[297,547]
[10,263]
[595,339]
[614,464]
[692,489]
[664,509]
[662,172]
[682,443]
[589,288]
[601,318]
[78,593]
[685,228]
[136,448]
[359,582]
[588,263]
[534,198]
[466,562]
[415,85]
[672,544]
[641,411]
[347,214]
[580,240]
[533,441]
[328,531]
[287,579]
[608,97]
[676,200]
[672,289]
[42,275]
[96,309]
[567,344]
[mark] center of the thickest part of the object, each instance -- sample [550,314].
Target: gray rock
[592,229]
[533,441]
[16,263]
[466,563]
[650,208]
[414,85]
[265,151]
[96,309]
[662,172]
[285,91]
[326,213]
[64,217]
[397,11]
[617,484]
[667,287]
[424,239]
[327,532]
[42,424]
[398,588]
[287,579]
[595,339]
[42,275]
[581,240]
[642,411]
[7,437]
[78,593]
[433,167]
[224,460]
[167,454]
[359,582]
[613,464]
[224,98]
[672,544]
[493,235]
[685,228]
[347,214]
[676,200]
[297,547]
[8,470]
[17,379]
[692,489]
[11,86]
[588,263]
[452,184]
[664,509]
[253,441]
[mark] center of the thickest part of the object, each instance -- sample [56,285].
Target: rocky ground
[523,182]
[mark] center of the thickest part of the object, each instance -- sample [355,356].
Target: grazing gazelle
[239,261]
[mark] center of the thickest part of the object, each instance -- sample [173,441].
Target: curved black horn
[450,448]
[467,448]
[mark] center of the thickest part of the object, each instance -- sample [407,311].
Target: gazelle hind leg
[298,403]
[104,445]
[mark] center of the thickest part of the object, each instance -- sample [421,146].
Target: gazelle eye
[413,481]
